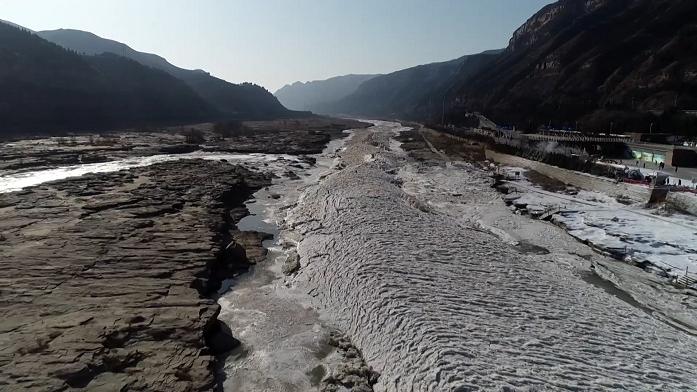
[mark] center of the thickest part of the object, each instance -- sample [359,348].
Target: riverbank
[612,217]
[650,257]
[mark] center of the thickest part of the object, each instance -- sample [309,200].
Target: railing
[686,281]
[579,139]
[549,211]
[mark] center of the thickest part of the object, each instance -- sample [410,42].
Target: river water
[284,341]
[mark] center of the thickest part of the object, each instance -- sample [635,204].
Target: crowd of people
[679,184]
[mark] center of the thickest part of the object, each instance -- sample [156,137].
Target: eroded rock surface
[295,137]
[105,278]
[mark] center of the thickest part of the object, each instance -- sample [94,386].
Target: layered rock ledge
[106,278]
[296,137]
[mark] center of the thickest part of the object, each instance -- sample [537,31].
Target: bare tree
[194,136]
[230,128]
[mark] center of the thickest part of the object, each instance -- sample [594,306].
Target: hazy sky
[274,42]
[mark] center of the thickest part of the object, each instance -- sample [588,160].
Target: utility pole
[445,96]
[442,120]
[430,109]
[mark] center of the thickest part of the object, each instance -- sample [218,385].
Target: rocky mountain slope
[312,95]
[598,65]
[7,22]
[245,100]
[630,62]
[44,87]
[415,92]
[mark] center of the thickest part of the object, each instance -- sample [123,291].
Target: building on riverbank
[671,155]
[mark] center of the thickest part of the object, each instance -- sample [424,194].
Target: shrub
[194,136]
[231,128]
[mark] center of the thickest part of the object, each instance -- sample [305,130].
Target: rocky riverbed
[297,136]
[112,274]
[106,278]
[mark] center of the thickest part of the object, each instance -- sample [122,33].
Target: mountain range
[590,64]
[601,63]
[415,92]
[85,82]
[313,95]
[44,87]
[245,100]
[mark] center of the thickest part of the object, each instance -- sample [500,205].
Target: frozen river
[401,255]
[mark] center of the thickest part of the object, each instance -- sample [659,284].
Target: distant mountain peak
[593,62]
[236,100]
[15,25]
[410,92]
[45,88]
[312,95]
[92,44]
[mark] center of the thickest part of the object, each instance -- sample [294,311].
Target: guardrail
[579,139]
[686,281]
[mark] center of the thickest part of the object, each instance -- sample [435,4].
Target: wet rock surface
[291,264]
[289,142]
[106,278]
[352,373]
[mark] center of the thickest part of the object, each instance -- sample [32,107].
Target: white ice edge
[19,181]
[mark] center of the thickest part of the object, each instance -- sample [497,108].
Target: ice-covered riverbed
[666,241]
[401,255]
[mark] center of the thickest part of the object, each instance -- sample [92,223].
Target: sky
[275,42]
